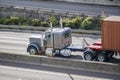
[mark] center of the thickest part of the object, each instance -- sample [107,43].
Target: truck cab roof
[59,30]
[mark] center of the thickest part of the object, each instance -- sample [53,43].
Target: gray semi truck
[51,42]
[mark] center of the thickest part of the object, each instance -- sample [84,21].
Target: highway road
[21,71]
[94,9]
[16,42]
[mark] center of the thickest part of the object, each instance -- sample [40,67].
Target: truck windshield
[66,35]
[47,35]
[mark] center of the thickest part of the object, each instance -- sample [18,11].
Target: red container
[111,33]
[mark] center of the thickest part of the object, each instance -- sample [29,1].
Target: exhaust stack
[61,23]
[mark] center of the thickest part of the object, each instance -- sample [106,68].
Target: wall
[41,13]
[65,63]
[99,2]
[6,11]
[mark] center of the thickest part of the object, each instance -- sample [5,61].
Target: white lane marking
[14,38]
[13,41]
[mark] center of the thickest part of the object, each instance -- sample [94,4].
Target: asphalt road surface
[16,42]
[21,71]
[94,9]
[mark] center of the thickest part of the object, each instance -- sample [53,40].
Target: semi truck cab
[55,39]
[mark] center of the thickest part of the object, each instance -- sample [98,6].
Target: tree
[22,20]
[77,21]
[2,20]
[35,22]
[53,20]
[88,23]
[73,23]
[14,20]
[44,24]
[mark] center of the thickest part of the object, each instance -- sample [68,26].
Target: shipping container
[111,33]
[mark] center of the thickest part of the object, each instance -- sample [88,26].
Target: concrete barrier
[63,63]
[20,58]
[23,27]
[80,64]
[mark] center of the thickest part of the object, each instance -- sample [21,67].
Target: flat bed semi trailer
[58,41]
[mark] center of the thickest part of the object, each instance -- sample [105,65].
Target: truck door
[48,39]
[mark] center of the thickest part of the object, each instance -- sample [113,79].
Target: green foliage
[78,22]
[25,24]
[67,22]
[29,21]
[53,20]
[87,23]
[73,23]
[35,22]
[14,20]
[2,20]
[7,22]
[45,24]
[22,20]
[90,24]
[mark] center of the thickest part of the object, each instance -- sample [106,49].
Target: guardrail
[23,27]
[33,28]
[110,68]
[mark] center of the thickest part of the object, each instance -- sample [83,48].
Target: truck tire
[110,54]
[32,50]
[88,55]
[102,57]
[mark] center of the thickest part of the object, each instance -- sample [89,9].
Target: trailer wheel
[111,53]
[88,55]
[32,50]
[102,57]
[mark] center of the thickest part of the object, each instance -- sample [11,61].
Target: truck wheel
[111,53]
[102,57]
[88,56]
[32,50]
